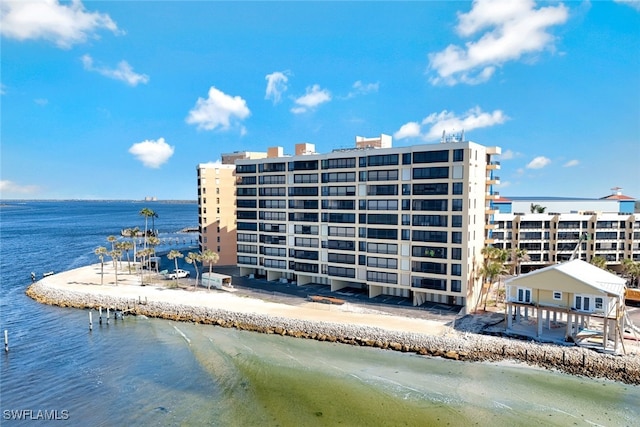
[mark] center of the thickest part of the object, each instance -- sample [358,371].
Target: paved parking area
[292,294]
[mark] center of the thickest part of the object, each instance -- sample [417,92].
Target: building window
[456,286]
[599,303]
[458,155]
[524,295]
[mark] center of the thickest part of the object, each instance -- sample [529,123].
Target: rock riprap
[454,345]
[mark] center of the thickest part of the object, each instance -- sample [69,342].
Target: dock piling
[100,319]
[90,320]
[6,341]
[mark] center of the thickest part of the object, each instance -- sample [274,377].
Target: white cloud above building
[432,127]
[313,97]
[218,111]
[276,85]
[152,154]
[505,31]
[571,163]
[63,24]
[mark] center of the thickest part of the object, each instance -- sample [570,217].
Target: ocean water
[151,372]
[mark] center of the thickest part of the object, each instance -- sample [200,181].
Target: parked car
[177,274]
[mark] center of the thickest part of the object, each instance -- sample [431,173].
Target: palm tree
[174,255]
[537,208]
[194,258]
[101,251]
[126,246]
[132,233]
[146,213]
[493,265]
[112,240]
[142,254]
[631,269]
[153,241]
[517,257]
[115,255]
[599,262]
[210,257]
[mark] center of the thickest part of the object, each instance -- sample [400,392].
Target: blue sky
[122,99]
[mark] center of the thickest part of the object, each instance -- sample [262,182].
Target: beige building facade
[405,221]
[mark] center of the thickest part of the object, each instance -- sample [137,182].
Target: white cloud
[571,163]
[124,72]
[11,188]
[408,130]
[41,101]
[448,122]
[514,28]
[509,154]
[538,163]
[65,25]
[151,153]
[3,89]
[360,88]
[218,110]
[314,97]
[276,85]
[632,3]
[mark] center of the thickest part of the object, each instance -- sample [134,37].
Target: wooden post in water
[6,341]
[107,315]
[100,320]
[90,320]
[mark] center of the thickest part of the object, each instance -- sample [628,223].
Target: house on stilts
[570,302]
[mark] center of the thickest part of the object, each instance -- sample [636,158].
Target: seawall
[456,346]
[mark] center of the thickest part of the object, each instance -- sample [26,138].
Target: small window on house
[557,295]
[524,295]
[599,303]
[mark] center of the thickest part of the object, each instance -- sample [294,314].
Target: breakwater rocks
[455,346]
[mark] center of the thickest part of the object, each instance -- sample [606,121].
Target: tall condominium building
[405,221]
[217,205]
[579,228]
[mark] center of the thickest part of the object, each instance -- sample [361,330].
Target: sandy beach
[87,280]
[349,323]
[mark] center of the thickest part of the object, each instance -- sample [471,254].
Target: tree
[126,246]
[517,256]
[142,254]
[146,213]
[174,255]
[153,241]
[115,255]
[101,251]
[599,262]
[194,258]
[537,208]
[631,269]
[210,258]
[112,240]
[493,265]
[132,233]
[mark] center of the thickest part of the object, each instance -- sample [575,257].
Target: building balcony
[490,226]
[493,180]
[493,165]
[489,240]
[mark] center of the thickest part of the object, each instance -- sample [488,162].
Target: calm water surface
[140,371]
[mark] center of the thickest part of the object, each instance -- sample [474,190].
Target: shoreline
[81,288]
